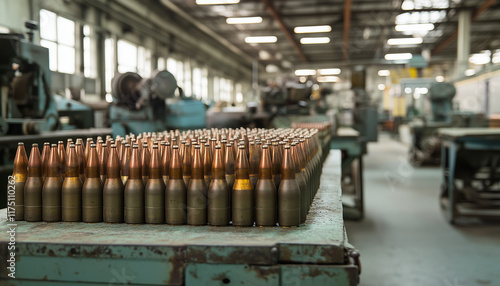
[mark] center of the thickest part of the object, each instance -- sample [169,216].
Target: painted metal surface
[465,152]
[102,253]
[349,141]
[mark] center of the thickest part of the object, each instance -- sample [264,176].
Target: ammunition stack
[243,177]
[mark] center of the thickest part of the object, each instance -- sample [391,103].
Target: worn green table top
[469,132]
[346,132]
[320,240]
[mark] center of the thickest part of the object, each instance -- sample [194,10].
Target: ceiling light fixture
[480,59]
[312,29]
[305,72]
[330,78]
[315,40]
[414,27]
[404,41]
[470,72]
[384,73]
[244,20]
[398,56]
[261,39]
[334,71]
[216,2]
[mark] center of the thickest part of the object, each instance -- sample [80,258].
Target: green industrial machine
[426,145]
[150,104]
[27,105]
[315,253]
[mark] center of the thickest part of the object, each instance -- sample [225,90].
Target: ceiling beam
[347,27]
[486,4]
[285,30]
[339,11]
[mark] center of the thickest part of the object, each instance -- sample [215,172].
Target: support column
[463,42]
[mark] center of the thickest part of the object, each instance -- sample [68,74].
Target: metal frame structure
[461,147]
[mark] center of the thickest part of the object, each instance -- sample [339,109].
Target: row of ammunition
[189,177]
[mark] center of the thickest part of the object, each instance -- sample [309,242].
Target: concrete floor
[405,239]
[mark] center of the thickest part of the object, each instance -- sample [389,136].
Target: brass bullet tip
[92,145]
[113,146]
[175,147]
[53,145]
[20,144]
[217,147]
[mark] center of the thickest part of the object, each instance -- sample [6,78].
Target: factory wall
[480,94]
[147,25]
[13,14]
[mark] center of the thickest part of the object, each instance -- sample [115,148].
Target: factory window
[216,89]
[176,68]
[204,84]
[58,35]
[144,62]
[200,83]
[239,94]
[197,82]
[109,65]
[127,57]
[226,89]
[187,79]
[160,65]
[89,63]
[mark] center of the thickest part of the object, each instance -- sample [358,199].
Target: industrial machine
[426,145]
[27,105]
[151,104]
[289,98]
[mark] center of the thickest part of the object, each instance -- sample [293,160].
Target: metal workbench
[471,172]
[348,140]
[316,253]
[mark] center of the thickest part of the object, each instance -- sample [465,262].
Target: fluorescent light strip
[384,73]
[404,41]
[244,20]
[330,78]
[216,2]
[315,40]
[312,29]
[400,56]
[261,39]
[305,72]
[414,27]
[329,71]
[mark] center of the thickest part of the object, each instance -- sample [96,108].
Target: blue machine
[27,105]
[151,105]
